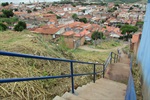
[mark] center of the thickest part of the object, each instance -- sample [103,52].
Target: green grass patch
[108,44]
[9,21]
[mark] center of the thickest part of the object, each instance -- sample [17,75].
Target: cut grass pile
[28,43]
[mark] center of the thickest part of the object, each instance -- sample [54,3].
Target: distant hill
[124,1]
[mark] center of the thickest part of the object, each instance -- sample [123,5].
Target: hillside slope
[28,43]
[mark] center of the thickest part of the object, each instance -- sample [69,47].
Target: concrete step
[118,72]
[70,96]
[104,89]
[58,98]
[80,89]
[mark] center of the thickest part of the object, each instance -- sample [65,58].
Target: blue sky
[17,1]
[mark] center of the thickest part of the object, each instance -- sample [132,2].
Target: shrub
[3,27]
[20,26]
[8,13]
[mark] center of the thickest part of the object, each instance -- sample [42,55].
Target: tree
[128,29]
[20,26]
[73,5]
[5,4]
[97,35]
[51,12]
[29,11]
[117,5]
[3,27]
[83,20]
[16,9]
[34,9]
[131,8]
[139,24]
[75,16]
[8,13]
[58,17]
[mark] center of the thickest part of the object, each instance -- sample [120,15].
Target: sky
[18,1]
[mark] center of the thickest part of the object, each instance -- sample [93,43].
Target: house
[79,38]
[65,21]
[112,31]
[135,42]
[68,38]
[48,32]
[124,15]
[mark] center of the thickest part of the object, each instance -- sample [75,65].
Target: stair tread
[58,98]
[105,91]
[69,96]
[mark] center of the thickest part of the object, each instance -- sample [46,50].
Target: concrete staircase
[111,87]
[120,71]
[102,89]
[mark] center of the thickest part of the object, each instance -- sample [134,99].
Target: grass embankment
[109,44]
[28,43]
[137,80]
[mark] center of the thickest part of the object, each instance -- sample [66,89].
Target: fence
[71,75]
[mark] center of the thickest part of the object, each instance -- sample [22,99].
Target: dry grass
[26,42]
[136,70]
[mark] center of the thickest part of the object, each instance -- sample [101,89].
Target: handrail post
[117,59]
[111,58]
[72,80]
[103,70]
[94,74]
[114,58]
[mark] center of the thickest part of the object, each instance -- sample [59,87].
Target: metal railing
[130,92]
[71,75]
[112,56]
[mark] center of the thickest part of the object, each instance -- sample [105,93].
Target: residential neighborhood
[74,50]
[76,23]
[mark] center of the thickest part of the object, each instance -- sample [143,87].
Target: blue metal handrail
[109,60]
[4,53]
[130,92]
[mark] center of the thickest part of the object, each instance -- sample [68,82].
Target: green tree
[58,17]
[8,13]
[117,5]
[128,29]
[139,24]
[83,20]
[51,12]
[3,27]
[131,8]
[20,26]
[74,5]
[97,35]
[16,9]
[5,4]
[29,11]
[34,9]
[75,16]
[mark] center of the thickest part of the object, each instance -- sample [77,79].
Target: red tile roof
[81,34]
[69,33]
[46,31]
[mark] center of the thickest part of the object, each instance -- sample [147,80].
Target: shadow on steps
[119,71]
